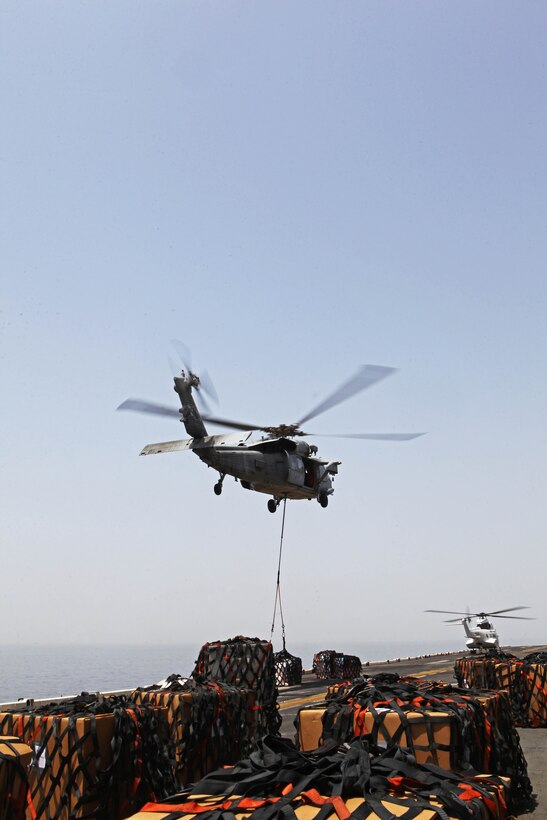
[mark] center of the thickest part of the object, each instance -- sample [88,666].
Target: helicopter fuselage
[280,467]
[481,636]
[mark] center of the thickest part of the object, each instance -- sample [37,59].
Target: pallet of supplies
[210,723]
[95,758]
[340,783]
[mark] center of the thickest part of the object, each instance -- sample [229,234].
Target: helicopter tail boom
[190,415]
[226,440]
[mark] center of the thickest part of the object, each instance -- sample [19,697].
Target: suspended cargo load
[525,681]
[288,669]
[95,758]
[353,782]
[15,758]
[331,664]
[246,663]
[210,723]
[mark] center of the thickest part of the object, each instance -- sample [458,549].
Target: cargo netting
[331,664]
[288,669]
[353,783]
[245,663]
[336,690]
[454,728]
[210,723]
[525,680]
[94,758]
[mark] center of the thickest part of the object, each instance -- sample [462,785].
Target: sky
[293,190]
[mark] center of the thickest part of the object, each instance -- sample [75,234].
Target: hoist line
[278,585]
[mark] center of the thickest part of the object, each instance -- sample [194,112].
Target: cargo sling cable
[278,586]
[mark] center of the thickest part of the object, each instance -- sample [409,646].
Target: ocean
[40,671]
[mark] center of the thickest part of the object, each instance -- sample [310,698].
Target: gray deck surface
[434,667]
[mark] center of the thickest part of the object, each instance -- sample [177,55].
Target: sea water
[42,671]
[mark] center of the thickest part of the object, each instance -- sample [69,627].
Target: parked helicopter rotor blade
[365,377]
[511,609]
[447,612]
[236,425]
[140,406]
[369,436]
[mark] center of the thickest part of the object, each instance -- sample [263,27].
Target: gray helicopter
[277,464]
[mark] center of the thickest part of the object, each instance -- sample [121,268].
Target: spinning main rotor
[365,377]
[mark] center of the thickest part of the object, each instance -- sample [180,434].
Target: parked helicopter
[276,464]
[482,635]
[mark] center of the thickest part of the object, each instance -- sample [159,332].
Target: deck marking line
[429,672]
[286,704]
[320,696]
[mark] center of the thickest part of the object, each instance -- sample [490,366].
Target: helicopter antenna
[278,585]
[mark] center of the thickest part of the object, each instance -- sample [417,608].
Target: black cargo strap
[330,774]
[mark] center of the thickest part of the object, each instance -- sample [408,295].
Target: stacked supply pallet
[331,664]
[440,724]
[246,663]
[211,724]
[525,680]
[95,758]
[341,783]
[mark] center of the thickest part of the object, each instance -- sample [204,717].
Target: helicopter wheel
[272,505]
[218,488]
[324,500]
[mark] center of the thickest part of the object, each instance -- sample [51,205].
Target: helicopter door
[296,472]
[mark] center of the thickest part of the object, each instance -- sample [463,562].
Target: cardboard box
[71,772]
[431,736]
[67,758]
[15,757]
[221,739]
[537,705]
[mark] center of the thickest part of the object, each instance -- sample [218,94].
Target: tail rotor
[202,383]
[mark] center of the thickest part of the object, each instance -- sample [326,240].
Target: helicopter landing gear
[218,486]
[324,500]
[273,504]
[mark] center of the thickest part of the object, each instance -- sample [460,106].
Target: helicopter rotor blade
[511,609]
[365,377]
[140,406]
[448,612]
[369,436]
[208,387]
[237,425]
[184,354]
[202,402]
[516,617]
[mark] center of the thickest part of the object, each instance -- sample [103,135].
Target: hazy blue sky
[294,189]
